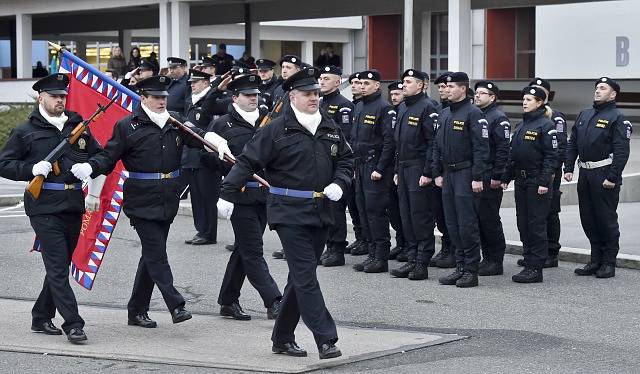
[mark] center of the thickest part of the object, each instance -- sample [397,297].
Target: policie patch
[334,150]
[82,144]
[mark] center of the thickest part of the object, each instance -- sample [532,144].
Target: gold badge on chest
[82,144]
[334,150]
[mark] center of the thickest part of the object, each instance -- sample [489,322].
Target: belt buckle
[318,195]
[69,187]
[165,175]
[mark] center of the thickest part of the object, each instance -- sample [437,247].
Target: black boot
[521,262]
[419,272]
[360,266]
[528,275]
[551,262]
[325,254]
[488,268]
[404,270]
[333,259]
[606,271]
[395,251]
[468,279]
[447,261]
[351,246]
[588,269]
[361,249]
[403,256]
[377,266]
[438,256]
[452,278]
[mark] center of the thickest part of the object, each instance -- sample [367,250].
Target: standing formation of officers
[415,164]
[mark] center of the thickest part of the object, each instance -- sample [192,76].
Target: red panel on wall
[383,44]
[501,43]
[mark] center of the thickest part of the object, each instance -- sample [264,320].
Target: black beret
[196,75]
[612,83]
[488,85]
[291,59]
[208,61]
[458,77]
[247,84]
[304,80]
[442,78]
[353,76]
[176,61]
[55,84]
[331,70]
[535,91]
[420,75]
[541,82]
[154,86]
[265,64]
[370,74]
[394,86]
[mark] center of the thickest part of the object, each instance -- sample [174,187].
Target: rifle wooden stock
[276,109]
[56,168]
[210,145]
[35,186]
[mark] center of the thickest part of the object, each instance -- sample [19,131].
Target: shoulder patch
[433,115]
[392,112]
[559,119]
[345,109]
[483,121]
[552,132]
[505,123]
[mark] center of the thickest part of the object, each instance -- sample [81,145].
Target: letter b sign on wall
[622,51]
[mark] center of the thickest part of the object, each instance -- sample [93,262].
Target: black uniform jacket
[29,143]
[340,109]
[372,131]
[534,149]
[462,136]
[178,90]
[267,89]
[599,132]
[499,137]
[200,115]
[292,157]
[144,147]
[415,131]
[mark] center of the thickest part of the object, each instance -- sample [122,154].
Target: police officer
[145,70]
[443,90]
[534,156]
[356,89]
[202,175]
[56,216]
[398,252]
[600,140]
[414,134]
[289,65]
[209,66]
[301,152]
[372,141]
[150,149]
[459,161]
[269,82]
[488,201]
[179,88]
[246,209]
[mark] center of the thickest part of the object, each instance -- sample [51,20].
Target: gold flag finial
[56,46]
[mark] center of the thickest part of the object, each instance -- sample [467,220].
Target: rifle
[200,139]
[276,109]
[35,186]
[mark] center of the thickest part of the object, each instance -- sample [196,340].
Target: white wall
[578,41]
[19,91]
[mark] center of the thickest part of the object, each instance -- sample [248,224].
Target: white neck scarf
[58,121]
[308,121]
[250,117]
[196,97]
[159,119]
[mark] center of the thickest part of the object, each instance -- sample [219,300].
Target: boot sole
[330,355]
[287,353]
[182,319]
[524,281]
[40,331]
[149,326]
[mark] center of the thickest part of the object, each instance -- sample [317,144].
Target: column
[347,56]
[165,34]
[124,39]
[425,43]
[180,23]
[459,35]
[24,38]
[256,52]
[307,51]
[407,31]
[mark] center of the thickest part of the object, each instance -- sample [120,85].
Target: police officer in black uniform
[414,134]
[301,152]
[396,96]
[56,216]
[534,156]
[340,109]
[202,175]
[443,90]
[489,200]
[356,90]
[459,162]
[150,149]
[209,66]
[289,65]
[179,88]
[269,82]
[372,141]
[248,210]
[600,141]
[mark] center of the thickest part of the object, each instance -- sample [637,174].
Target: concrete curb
[7,200]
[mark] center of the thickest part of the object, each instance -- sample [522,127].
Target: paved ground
[566,324]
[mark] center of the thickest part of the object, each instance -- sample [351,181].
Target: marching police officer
[269,82]
[459,161]
[209,66]
[600,141]
[202,175]
[414,134]
[534,156]
[179,88]
[489,200]
[246,209]
[150,149]
[302,152]
[396,96]
[372,141]
[289,65]
[56,216]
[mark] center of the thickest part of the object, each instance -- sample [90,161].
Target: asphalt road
[566,324]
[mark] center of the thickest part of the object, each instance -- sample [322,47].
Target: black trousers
[153,268]
[553,220]
[394,215]
[204,187]
[417,214]
[462,221]
[353,212]
[435,197]
[598,214]
[302,295]
[372,198]
[487,205]
[58,235]
[247,261]
[532,210]
[337,238]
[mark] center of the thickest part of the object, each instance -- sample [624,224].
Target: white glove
[225,209]
[94,189]
[82,171]
[333,192]
[220,143]
[41,168]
